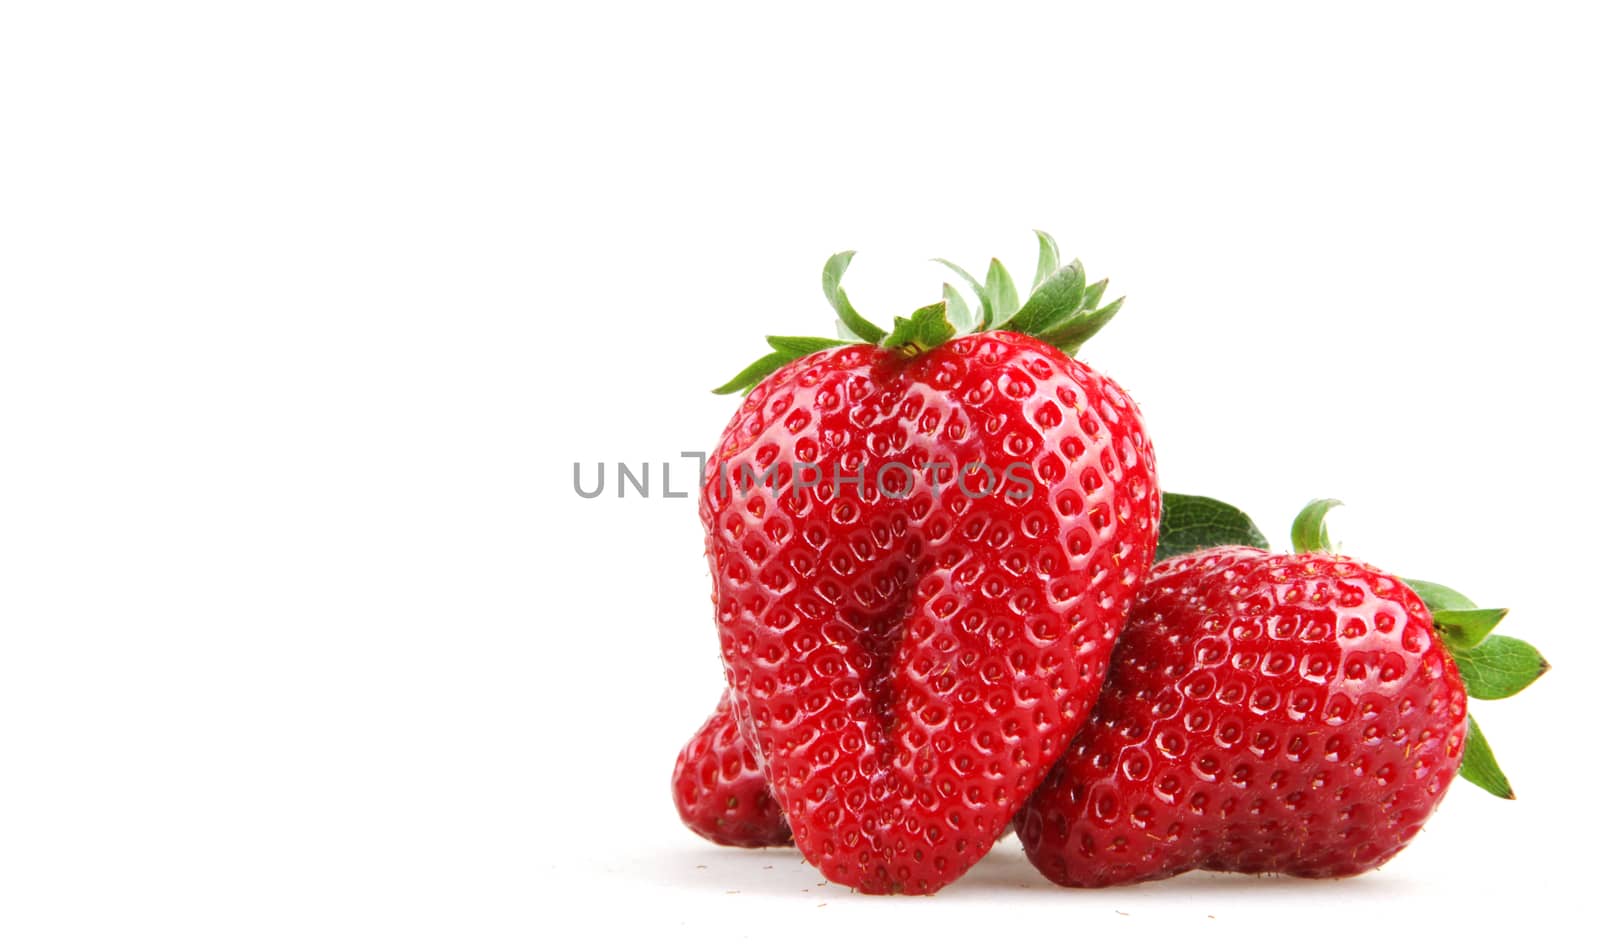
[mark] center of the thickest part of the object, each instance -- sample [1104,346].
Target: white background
[309,308]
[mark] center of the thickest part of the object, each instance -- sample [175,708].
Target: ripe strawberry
[719,789]
[1299,713]
[909,639]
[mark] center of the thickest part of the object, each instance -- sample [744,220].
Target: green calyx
[1492,666]
[1309,533]
[1061,309]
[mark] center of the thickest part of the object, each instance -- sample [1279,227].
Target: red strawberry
[911,651]
[719,789]
[1299,714]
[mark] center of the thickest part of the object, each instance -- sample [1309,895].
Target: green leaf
[1073,334]
[1049,258]
[955,308]
[985,308]
[1192,522]
[1465,629]
[1002,293]
[1438,597]
[1499,667]
[1478,765]
[925,329]
[800,346]
[832,274]
[1093,293]
[1309,532]
[1054,300]
[747,378]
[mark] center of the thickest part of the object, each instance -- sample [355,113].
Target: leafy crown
[1062,309]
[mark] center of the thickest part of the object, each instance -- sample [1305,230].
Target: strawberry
[719,789]
[1300,714]
[922,545]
